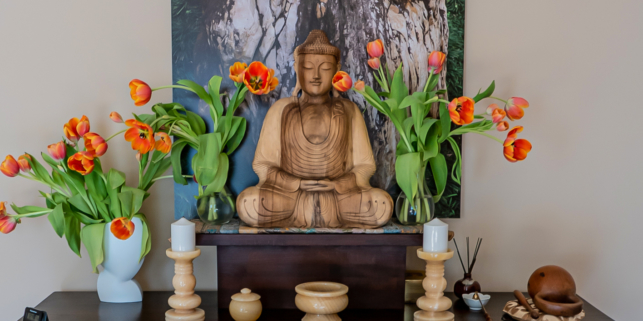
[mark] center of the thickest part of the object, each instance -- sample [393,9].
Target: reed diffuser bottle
[467,284]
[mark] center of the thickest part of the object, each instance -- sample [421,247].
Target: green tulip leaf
[92,238]
[407,167]
[57,220]
[486,93]
[72,233]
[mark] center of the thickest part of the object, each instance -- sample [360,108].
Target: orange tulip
[502,126]
[58,150]
[7,222]
[82,162]
[374,63]
[498,115]
[342,81]
[95,144]
[375,49]
[461,110]
[436,62]
[516,149]
[260,79]
[237,70]
[164,143]
[360,85]
[122,228]
[140,135]
[10,166]
[24,163]
[76,128]
[140,92]
[116,117]
[515,106]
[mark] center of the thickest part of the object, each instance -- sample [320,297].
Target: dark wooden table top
[85,306]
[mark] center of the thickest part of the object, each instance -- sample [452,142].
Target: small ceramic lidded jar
[245,306]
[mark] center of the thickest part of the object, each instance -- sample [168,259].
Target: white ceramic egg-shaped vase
[121,263]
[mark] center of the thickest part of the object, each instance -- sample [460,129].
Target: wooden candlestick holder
[434,304]
[184,302]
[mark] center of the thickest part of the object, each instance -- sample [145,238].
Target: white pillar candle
[436,236]
[183,233]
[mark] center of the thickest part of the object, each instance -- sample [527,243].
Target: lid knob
[245,291]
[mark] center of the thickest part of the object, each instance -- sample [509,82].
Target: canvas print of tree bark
[208,36]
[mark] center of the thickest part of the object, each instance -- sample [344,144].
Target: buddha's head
[316,62]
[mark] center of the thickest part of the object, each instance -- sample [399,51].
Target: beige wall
[574,202]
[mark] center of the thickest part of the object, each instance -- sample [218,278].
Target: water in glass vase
[216,208]
[418,210]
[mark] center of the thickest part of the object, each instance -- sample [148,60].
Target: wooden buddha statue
[314,159]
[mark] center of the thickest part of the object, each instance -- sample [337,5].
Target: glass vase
[418,210]
[217,208]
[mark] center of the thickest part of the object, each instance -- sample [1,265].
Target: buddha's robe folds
[284,157]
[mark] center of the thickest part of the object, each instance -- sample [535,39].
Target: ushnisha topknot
[317,43]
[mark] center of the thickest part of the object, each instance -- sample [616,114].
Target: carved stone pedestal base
[434,304]
[184,301]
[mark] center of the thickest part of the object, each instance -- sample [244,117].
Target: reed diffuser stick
[468,262]
[458,250]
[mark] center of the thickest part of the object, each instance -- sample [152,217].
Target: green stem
[383,77]
[33,178]
[428,80]
[169,176]
[32,214]
[496,98]
[110,137]
[175,86]
[490,136]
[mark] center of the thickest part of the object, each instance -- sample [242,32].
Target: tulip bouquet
[81,198]
[210,164]
[421,135]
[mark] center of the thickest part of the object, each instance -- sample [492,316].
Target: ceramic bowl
[321,298]
[475,304]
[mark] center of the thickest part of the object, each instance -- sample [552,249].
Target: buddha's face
[315,73]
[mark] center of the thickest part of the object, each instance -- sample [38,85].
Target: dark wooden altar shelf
[309,239]
[85,306]
[273,264]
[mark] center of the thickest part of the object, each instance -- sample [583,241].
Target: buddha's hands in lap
[317,186]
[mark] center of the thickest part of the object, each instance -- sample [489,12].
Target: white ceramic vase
[115,282]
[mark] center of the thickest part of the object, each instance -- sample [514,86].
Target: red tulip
[436,62]
[76,128]
[502,126]
[164,143]
[498,115]
[122,228]
[260,79]
[58,150]
[140,135]
[140,92]
[516,149]
[82,162]
[116,117]
[24,163]
[491,108]
[375,49]
[374,63]
[342,81]
[461,110]
[7,222]
[10,166]
[95,144]
[515,107]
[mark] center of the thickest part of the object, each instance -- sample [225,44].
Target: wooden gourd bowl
[553,291]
